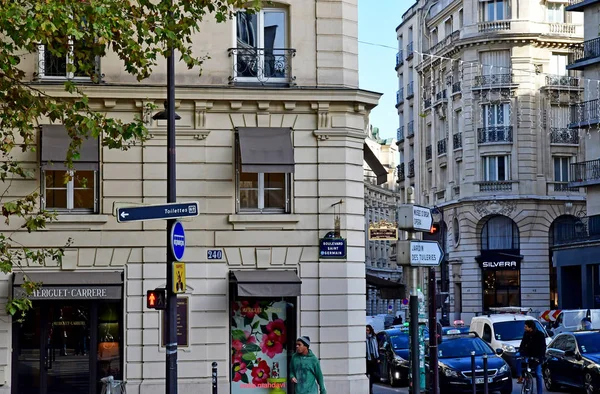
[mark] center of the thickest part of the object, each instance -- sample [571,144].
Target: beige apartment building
[272,246]
[489,145]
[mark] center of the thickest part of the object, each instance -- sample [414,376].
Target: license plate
[480,380]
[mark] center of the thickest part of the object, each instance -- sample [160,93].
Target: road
[385,389]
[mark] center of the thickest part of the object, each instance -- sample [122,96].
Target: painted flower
[235,306]
[238,345]
[238,368]
[261,372]
[270,345]
[248,310]
[277,327]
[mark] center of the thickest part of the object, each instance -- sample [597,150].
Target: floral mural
[258,347]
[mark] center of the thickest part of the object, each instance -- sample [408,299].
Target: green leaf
[238,335]
[251,347]
[245,378]
[263,315]
[247,321]
[263,329]
[255,325]
[249,356]
[274,316]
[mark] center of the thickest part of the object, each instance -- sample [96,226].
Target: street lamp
[164,114]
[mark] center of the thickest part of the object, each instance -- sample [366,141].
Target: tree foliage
[137,31]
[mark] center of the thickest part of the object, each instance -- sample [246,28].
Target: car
[573,360]
[454,359]
[393,353]
[504,331]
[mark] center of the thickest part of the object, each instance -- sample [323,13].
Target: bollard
[214,378]
[473,372]
[485,374]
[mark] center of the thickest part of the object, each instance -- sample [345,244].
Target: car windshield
[589,342]
[462,347]
[512,330]
[399,342]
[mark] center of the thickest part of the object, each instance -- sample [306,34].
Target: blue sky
[377,22]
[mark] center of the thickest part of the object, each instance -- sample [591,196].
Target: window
[500,233]
[501,289]
[496,168]
[558,64]
[487,333]
[52,66]
[555,12]
[495,115]
[493,10]
[460,18]
[261,45]
[561,169]
[495,62]
[434,36]
[448,27]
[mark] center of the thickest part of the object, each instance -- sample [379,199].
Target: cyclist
[533,348]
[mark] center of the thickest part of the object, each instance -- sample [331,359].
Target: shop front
[501,278]
[263,330]
[72,336]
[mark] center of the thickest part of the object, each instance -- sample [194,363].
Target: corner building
[489,143]
[282,83]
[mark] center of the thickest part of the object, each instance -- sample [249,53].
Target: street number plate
[214,254]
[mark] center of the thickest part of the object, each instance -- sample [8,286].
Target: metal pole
[214,378]
[171,312]
[413,307]
[473,373]
[485,374]
[445,285]
[433,342]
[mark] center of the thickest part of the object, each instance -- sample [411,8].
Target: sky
[377,47]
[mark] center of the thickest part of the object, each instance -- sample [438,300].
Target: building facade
[282,83]
[492,145]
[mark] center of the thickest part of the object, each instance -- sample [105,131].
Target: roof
[501,317]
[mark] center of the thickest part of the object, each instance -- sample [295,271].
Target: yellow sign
[383,231]
[178,278]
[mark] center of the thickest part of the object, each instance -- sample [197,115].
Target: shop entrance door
[53,349]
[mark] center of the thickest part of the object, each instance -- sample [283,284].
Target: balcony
[493,80]
[585,173]
[409,51]
[401,175]
[399,97]
[428,152]
[579,5]
[559,135]
[441,95]
[400,135]
[562,81]
[493,26]
[495,186]
[410,90]
[457,141]
[442,147]
[399,59]
[444,43]
[262,65]
[411,168]
[411,129]
[456,88]
[579,230]
[561,187]
[584,114]
[427,103]
[494,134]
[589,54]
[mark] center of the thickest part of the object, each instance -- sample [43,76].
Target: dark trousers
[373,373]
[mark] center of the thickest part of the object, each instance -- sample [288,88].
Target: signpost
[178,241]
[420,253]
[157,212]
[414,218]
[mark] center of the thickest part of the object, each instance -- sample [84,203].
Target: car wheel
[588,383]
[549,380]
[393,381]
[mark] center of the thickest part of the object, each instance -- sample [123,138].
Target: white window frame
[491,113]
[555,12]
[70,187]
[261,44]
[492,5]
[556,68]
[490,166]
[41,72]
[564,177]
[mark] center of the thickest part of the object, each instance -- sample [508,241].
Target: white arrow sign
[414,217]
[124,215]
[425,253]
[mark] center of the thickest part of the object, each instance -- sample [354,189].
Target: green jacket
[307,371]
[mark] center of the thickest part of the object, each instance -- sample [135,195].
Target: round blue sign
[178,241]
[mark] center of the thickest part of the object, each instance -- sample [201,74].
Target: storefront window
[501,288]
[109,338]
[262,342]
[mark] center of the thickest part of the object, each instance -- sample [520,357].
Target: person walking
[533,348]
[305,369]
[372,357]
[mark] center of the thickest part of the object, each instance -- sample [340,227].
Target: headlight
[503,369]
[508,348]
[450,373]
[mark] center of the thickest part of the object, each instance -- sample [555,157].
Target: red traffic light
[156,299]
[435,228]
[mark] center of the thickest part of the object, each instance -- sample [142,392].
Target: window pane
[56,198]
[248,180]
[502,168]
[557,176]
[54,66]
[247,27]
[83,179]
[565,169]
[84,198]
[493,164]
[490,11]
[55,179]
[249,199]
[274,181]
[274,29]
[274,199]
[499,10]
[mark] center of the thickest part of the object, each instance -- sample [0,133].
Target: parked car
[393,352]
[504,331]
[573,360]
[455,374]
[570,320]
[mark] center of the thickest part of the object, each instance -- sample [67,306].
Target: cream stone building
[283,82]
[491,143]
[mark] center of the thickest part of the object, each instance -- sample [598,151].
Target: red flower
[235,306]
[270,345]
[238,368]
[261,372]
[277,327]
[238,345]
[248,310]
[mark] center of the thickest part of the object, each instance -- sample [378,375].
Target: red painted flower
[238,345]
[277,327]
[248,310]
[235,306]
[261,372]
[270,345]
[238,368]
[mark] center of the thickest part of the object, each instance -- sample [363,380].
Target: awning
[87,285]
[389,290]
[375,164]
[266,283]
[266,149]
[54,146]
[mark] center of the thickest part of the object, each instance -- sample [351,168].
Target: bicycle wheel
[527,385]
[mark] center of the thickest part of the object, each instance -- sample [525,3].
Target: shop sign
[383,231]
[499,261]
[71,293]
[332,248]
[183,327]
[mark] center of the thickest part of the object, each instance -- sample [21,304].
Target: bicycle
[527,375]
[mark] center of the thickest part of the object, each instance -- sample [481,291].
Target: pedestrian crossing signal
[156,299]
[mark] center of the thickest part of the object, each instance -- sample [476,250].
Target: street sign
[419,253]
[332,248]
[179,278]
[383,231]
[177,241]
[157,212]
[414,218]
[156,299]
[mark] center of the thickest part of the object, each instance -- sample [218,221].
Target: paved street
[385,389]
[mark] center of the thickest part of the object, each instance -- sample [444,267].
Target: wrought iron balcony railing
[456,88]
[440,95]
[411,168]
[486,135]
[399,59]
[457,141]
[263,65]
[410,89]
[563,187]
[428,152]
[409,50]
[562,80]
[401,174]
[585,173]
[400,134]
[559,135]
[495,186]
[442,146]
[579,230]
[411,129]
[493,80]
[584,114]
[579,5]
[399,97]
[57,67]
[590,50]
[427,102]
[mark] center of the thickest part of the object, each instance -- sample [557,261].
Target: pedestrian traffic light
[156,299]
[435,229]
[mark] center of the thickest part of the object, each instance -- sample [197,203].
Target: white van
[570,320]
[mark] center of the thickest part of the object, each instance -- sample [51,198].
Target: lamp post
[438,214]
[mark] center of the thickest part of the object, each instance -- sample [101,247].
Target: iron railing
[585,173]
[493,80]
[399,59]
[578,230]
[456,88]
[411,168]
[427,103]
[409,51]
[428,152]
[399,97]
[442,146]
[495,186]
[486,135]
[264,65]
[564,187]
[401,174]
[587,112]
[400,134]
[411,129]
[562,80]
[410,89]
[590,50]
[53,66]
[559,135]
[440,95]
[457,141]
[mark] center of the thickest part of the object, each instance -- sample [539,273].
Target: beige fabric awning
[266,149]
[54,145]
[375,164]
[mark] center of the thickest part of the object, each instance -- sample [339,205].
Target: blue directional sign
[157,212]
[177,241]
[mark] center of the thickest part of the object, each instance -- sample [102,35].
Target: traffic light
[156,299]
[435,229]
